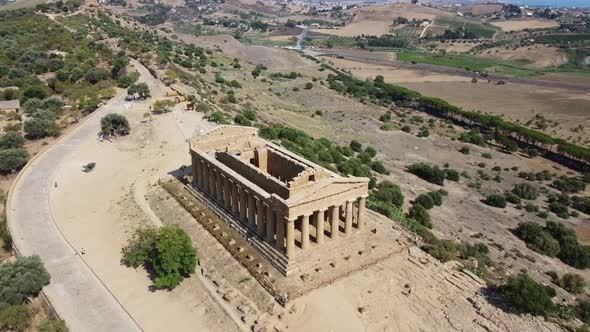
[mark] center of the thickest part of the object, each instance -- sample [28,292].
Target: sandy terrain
[516,25]
[541,55]
[482,9]
[392,74]
[97,211]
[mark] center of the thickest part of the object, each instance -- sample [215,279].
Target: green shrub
[486,155]
[371,151]
[525,191]
[527,295]
[13,159]
[11,140]
[425,200]
[473,136]
[581,204]
[452,175]
[559,209]
[389,192]
[572,282]
[250,114]
[512,198]
[15,318]
[571,253]
[437,197]
[53,325]
[569,185]
[364,157]
[583,311]
[20,279]
[114,124]
[464,150]
[424,132]
[420,214]
[356,146]
[242,120]
[217,117]
[37,127]
[378,167]
[496,200]
[308,86]
[168,251]
[537,239]
[406,129]
[429,173]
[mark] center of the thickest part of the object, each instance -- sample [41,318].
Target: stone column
[200,174]
[194,170]
[205,178]
[260,226]
[361,214]
[226,193]
[270,224]
[251,209]
[219,186]
[235,205]
[334,222]
[243,204]
[212,186]
[291,238]
[281,224]
[348,219]
[304,232]
[318,218]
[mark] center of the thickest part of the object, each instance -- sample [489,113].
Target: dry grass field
[518,102]
[392,74]
[541,56]
[516,25]
[482,9]
[377,20]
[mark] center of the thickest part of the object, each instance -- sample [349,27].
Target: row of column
[275,228]
[236,198]
[352,212]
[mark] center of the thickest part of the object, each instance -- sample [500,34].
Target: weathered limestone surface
[288,201]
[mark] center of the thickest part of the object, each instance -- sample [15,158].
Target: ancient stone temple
[283,203]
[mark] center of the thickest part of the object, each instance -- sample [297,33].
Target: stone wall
[254,175]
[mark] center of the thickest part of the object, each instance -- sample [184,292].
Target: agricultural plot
[407,32]
[435,31]
[479,29]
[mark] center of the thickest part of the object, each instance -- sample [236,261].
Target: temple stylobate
[284,203]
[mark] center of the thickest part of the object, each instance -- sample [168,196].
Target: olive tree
[114,124]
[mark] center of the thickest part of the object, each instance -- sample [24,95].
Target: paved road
[453,71]
[75,292]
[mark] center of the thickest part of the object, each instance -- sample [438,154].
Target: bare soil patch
[516,25]
[541,56]
[517,102]
[392,74]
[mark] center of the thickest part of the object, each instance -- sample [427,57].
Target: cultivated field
[377,20]
[516,25]
[518,102]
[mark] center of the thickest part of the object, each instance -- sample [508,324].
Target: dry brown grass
[516,25]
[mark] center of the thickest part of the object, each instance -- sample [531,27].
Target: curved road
[76,293]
